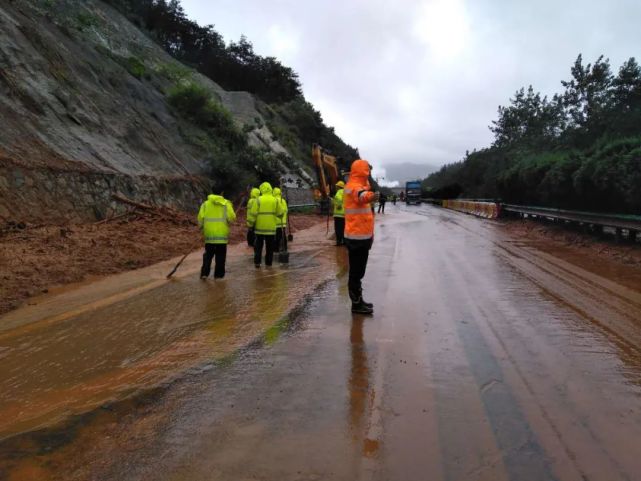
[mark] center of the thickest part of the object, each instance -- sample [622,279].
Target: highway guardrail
[595,220]
[631,223]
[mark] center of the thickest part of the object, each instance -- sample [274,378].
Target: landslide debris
[37,258]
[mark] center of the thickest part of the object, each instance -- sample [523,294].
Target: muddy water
[488,358]
[67,364]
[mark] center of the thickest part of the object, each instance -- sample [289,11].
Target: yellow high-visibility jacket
[264,214]
[282,222]
[254,194]
[339,207]
[214,217]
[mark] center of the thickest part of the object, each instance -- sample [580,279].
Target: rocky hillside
[91,105]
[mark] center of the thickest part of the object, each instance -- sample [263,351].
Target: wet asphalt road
[488,358]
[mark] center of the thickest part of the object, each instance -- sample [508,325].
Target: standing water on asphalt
[56,368]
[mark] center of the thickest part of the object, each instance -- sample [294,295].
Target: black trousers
[268,240]
[358,252]
[381,206]
[219,252]
[339,228]
[250,237]
[281,240]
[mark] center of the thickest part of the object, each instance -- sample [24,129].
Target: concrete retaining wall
[55,196]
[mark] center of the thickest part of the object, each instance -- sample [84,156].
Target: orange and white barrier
[487,210]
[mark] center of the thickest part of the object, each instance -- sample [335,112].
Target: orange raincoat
[359,218]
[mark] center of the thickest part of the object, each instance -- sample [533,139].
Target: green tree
[529,120]
[587,98]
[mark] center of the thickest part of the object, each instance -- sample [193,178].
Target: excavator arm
[327,172]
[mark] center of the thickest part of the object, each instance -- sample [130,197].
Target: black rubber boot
[357,297]
[361,308]
[358,304]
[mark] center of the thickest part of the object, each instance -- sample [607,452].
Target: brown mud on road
[489,358]
[40,259]
[112,338]
[569,242]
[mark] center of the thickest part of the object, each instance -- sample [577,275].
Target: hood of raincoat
[216,199]
[254,193]
[276,192]
[265,188]
[360,169]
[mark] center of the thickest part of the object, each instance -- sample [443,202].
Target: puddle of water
[56,370]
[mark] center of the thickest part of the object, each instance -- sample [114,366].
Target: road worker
[339,213]
[263,218]
[214,217]
[253,195]
[359,231]
[381,203]
[281,224]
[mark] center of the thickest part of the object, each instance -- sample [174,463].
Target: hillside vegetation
[579,149]
[99,97]
[292,120]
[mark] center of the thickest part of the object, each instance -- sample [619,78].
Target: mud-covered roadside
[605,248]
[37,259]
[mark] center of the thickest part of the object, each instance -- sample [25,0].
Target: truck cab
[413,192]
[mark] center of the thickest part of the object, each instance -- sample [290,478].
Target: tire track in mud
[593,297]
[592,438]
[521,451]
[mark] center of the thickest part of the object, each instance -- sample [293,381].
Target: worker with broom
[214,217]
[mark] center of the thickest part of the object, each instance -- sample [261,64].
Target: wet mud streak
[523,455]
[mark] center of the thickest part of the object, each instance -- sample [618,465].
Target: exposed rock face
[84,114]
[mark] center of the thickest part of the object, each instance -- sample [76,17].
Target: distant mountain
[408,171]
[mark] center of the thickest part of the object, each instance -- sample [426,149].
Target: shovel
[290,236]
[283,255]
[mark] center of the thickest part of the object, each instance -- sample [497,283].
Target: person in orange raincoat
[359,231]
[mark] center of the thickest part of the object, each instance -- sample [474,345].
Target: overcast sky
[420,80]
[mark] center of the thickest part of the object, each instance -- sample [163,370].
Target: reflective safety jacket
[214,217]
[264,214]
[252,200]
[282,222]
[339,206]
[359,218]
